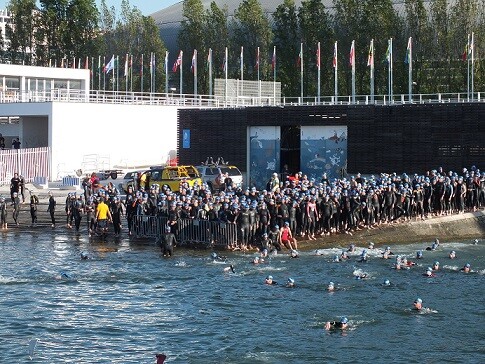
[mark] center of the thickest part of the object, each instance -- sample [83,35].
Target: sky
[147,7]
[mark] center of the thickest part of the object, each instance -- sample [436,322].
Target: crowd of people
[285,210]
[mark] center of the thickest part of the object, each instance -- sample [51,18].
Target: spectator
[15,143]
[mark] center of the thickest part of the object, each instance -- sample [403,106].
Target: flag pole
[467,51]
[195,72]
[391,80]
[225,75]
[131,73]
[473,66]
[259,82]
[410,76]
[126,72]
[166,73]
[181,63]
[141,71]
[117,65]
[210,71]
[274,74]
[104,73]
[353,70]
[301,71]
[319,72]
[242,69]
[336,70]
[371,61]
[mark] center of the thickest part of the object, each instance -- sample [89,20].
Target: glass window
[62,84]
[74,85]
[12,83]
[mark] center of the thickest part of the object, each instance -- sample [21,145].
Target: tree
[286,40]
[216,38]
[21,31]
[191,35]
[82,22]
[251,29]
[315,26]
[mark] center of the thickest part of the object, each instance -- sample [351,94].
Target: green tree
[191,36]
[287,41]
[251,29]
[439,73]
[82,23]
[216,38]
[315,26]
[21,31]
[418,27]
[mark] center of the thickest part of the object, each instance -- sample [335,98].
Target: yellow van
[171,176]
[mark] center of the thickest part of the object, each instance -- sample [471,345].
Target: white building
[4,20]
[53,107]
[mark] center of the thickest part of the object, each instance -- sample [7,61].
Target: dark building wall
[401,138]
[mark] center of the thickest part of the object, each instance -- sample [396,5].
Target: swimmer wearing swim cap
[290,283]
[269,281]
[331,287]
[466,268]
[452,255]
[342,324]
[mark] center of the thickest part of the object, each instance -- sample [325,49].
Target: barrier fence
[28,162]
[188,231]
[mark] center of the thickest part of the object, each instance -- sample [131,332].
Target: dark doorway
[290,149]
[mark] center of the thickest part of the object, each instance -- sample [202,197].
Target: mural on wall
[264,154]
[323,150]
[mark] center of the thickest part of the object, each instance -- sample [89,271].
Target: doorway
[290,150]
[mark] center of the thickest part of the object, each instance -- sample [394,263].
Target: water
[127,303]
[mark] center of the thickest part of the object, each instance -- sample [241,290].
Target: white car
[210,174]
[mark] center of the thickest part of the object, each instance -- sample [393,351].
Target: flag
[334,61]
[166,62]
[193,65]
[466,52]
[352,54]
[407,59]
[209,59]
[152,63]
[273,59]
[126,65]
[241,57]
[178,62]
[73,66]
[141,65]
[298,61]
[224,64]
[370,58]
[86,63]
[110,65]
[318,55]
[389,51]
[257,59]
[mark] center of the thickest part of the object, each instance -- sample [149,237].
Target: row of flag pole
[113,67]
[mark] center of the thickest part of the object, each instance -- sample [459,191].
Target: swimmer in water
[351,248]
[217,257]
[257,260]
[387,252]
[342,324]
[331,287]
[429,273]
[371,245]
[386,283]
[264,253]
[419,254]
[336,259]
[84,256]
[407,263]
[418,304]
[436,266]
[361,275]
[294,254]
[229,269]
[475,242]
[466,268]
[161,358]
[344,256]
[452,255]
[290,283]
[269,281]
[434,246]
[363,256]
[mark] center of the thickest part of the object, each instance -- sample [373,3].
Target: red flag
[352,54]
[273,60]
[334,62]
[178,62]
[318,56]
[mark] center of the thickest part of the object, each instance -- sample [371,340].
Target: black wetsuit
[168,242]
[52,209]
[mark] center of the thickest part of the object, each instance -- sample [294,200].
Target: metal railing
[188,100]
[197,232]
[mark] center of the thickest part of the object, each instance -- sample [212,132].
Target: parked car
[128,180]
[170,176]
[210,175]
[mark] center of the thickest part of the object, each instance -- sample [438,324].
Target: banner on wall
[264,154]
[323,150]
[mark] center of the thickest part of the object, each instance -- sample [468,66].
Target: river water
[126,303]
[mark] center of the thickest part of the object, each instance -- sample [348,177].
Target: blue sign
[186,139]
